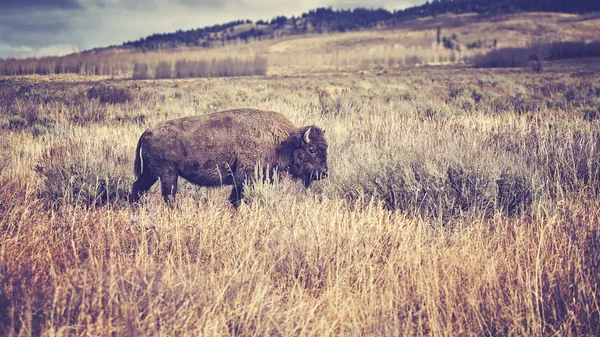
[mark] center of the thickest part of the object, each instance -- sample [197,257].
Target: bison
[223,148]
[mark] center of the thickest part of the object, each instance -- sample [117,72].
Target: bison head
[309,155]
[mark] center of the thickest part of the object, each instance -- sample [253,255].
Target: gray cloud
[35,28]
[41,4]
[210,3]
[157,4]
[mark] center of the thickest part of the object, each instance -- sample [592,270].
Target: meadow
[460,201]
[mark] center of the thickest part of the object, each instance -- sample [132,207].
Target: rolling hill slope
[328,20]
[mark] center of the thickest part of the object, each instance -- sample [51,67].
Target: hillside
[328,20]
[444,39]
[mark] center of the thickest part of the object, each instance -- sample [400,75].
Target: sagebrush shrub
[107,94]
[85,112]
[590,114]
[423,188]
[78,173]
[17,123]
[38,130]
[342,103]
[139,119]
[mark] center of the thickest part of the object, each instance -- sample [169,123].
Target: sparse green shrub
[26,108]
[30,112]
[139,119]
[522,103]
[84,174]
[340,104]
[456,92]
[580,95]
[432,111]
[458,96]
[556,105]
[475,44]
[590,114]
[550,89]
[38,130]
[33,96]
[450,42]
[476,95]
[87,112]
[107,94]
[407,97]
[466,105]
[17,123]
[34,116]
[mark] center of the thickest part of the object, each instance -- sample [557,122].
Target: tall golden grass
[460,202]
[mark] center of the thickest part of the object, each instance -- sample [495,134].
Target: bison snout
[318,175]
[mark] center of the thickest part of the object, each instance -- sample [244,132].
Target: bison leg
[168,184]
[237,193]
[143,183]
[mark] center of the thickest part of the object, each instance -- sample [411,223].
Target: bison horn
[306,134]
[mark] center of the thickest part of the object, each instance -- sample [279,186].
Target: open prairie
[460,202]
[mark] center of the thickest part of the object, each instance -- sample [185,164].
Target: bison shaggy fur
[223,148]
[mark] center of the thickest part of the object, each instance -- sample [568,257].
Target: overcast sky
[57,27]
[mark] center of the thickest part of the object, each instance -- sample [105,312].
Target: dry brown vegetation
[230,61]
[460,202]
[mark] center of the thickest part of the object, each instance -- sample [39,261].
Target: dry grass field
[460,202]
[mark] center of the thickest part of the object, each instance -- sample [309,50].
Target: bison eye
[312,150]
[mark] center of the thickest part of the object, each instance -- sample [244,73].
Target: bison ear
[306,136]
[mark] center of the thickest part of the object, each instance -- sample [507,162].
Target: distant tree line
[194,37]
[323,20]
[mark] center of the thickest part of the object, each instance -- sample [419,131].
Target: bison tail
[138,166]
